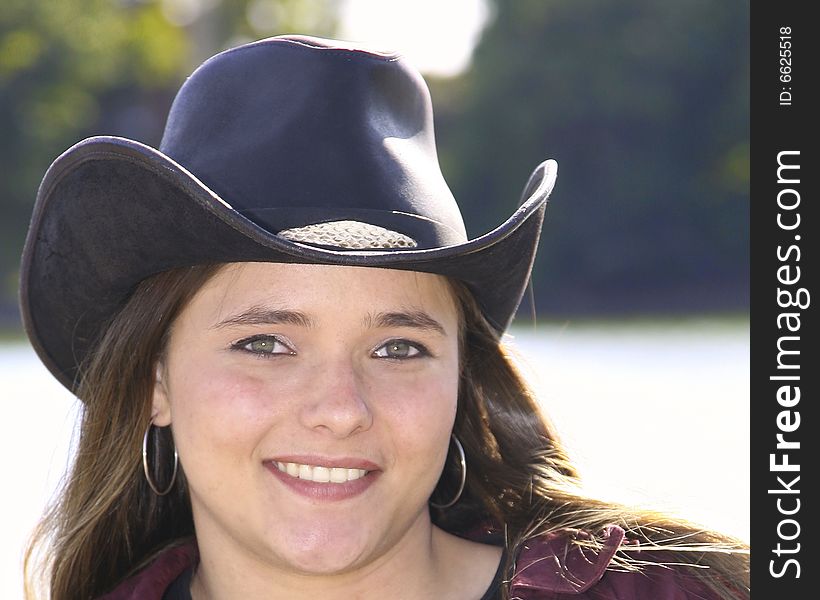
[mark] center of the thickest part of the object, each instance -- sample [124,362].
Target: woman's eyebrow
[260,315]
[417,319]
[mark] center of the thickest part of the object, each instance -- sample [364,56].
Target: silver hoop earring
[462,461]
[147,471]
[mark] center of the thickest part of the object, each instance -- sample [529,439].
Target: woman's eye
[399,349]
[263,345]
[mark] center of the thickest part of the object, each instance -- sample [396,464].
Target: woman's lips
[324,479]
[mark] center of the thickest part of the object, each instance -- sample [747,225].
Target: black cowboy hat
[289,149]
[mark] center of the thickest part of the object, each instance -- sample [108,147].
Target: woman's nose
[337,402]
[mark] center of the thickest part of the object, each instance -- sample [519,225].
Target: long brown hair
[521,479]
[107,523]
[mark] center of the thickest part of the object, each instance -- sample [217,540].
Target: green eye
[398,349]
[264,345]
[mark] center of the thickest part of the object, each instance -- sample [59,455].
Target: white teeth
[338,475]
[321,474]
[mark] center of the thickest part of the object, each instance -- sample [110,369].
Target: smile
[320,474]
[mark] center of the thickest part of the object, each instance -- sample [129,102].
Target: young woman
[288,353]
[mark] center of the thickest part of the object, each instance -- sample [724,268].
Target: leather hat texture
[288,149]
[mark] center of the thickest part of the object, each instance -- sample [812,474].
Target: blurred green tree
[74,68]
[64,65]
[645,105]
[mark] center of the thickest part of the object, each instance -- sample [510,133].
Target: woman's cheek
[417,396]
[225,406]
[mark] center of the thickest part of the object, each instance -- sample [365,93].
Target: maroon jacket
[547,568]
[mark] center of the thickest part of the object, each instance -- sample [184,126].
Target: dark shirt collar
[552,564]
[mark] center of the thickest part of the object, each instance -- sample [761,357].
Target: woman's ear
[161,405]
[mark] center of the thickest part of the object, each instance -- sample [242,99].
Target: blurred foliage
[644,104]
[67,66]
[70,69]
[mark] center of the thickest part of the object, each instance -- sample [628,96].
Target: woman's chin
[322,550]
[325,562]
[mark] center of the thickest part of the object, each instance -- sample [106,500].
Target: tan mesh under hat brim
[353,235]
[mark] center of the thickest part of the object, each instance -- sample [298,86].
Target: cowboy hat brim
[111,211]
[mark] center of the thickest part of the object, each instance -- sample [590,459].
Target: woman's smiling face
[312,408]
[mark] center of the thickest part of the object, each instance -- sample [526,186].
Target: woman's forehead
[319,290]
